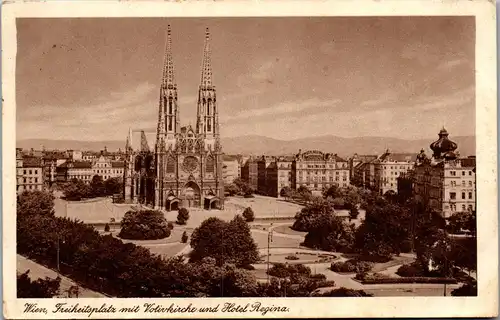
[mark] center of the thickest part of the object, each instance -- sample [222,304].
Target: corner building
[445,182]
[184,169]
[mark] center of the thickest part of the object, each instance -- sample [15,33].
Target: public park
[280,245]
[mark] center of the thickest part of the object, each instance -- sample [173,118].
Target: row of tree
[106,264]
[77,189]
[390,229]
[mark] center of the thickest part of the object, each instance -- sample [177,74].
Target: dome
[443,145]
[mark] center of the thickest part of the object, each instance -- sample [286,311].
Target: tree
[144,225]
[106,227]
[182,216]
[184,237]
[41,288]
[225,242]
[330,233]
[244,187]
[307,215]
[30,203]
[113,185]
[75,190]
[462,221]
[304,193]
[345,292]
[353,213]
[332,192]
[248,214]
[232,189]
[286,192]
[97,186]
[383,231]
[467,289]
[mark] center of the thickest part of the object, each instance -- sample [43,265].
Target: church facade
[184,168]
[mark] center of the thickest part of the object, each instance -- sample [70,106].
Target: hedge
[409,280]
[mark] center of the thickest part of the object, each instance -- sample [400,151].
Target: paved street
[39,271]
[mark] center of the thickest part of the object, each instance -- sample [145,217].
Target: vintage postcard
[249,159]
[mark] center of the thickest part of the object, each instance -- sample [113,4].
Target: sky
[285,78]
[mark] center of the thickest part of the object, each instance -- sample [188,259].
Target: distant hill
[257,145]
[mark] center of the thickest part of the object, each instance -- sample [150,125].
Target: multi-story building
[317,170]
[388,167]
[107,168]
[230,169]
[19,168]
[250,172]
[445,182]
[69,170]
[30,175]
[356,160]
[265,165]
[279,175]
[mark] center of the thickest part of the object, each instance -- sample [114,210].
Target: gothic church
[185,167]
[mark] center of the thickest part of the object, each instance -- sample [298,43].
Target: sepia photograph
[248,157]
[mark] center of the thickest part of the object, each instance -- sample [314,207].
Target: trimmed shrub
[345,292]
[144,225]
[248,195]
[248,214]
[291,257]
[106,227]
[182,216]
[318,276]
[351,266]
[184,237]
[170,225]
[410,270]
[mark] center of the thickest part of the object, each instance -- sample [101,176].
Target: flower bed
[351,266]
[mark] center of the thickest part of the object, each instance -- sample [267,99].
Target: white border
[486,304]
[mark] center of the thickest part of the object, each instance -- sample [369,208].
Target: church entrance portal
[190,195]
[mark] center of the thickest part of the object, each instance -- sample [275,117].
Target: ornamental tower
[207,121]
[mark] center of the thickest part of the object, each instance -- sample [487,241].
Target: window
[469,207]
[453,207]
[463,207]
[24,171]
[463,173]
[470,195]
[31,172]
[453,183]
[463,183]
[453,195]
[24,180]
[210,165]
[463,195]
[453,173]
[470,173]
[470,183]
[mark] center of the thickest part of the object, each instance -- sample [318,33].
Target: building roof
[32,162]
[76,165]
[117,164]
[398,157]
[468,162]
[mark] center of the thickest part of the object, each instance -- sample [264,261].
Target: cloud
[114,111]
[282,109]
[384,99]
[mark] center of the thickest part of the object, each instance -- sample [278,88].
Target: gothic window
[169,106]
[169,123]
[170,165]
[209,167]
[209,125]
[208,107]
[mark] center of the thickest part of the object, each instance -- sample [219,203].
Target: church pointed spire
[206,66]
[168,80]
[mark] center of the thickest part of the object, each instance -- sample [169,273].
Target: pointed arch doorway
[190,195]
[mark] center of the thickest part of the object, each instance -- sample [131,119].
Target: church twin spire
[168,113]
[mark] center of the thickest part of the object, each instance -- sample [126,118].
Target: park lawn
[167,250]
[260,239]
[287,229]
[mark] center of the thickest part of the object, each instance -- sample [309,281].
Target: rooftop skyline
[286,78]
